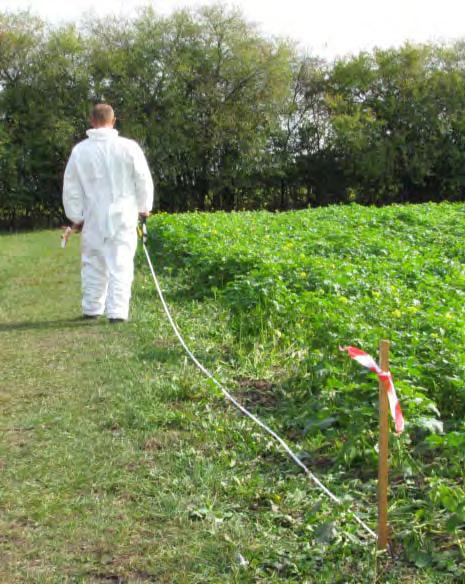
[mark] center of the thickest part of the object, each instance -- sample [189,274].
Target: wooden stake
[383,463]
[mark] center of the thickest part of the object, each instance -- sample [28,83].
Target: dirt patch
[102,577]
[257,392]
[161,441]
[133,577]
[11,534]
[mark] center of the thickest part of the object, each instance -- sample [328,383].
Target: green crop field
[121,463]
[296,286]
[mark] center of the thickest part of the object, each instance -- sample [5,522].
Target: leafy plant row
[298,285]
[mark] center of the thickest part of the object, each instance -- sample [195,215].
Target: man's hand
[75,228]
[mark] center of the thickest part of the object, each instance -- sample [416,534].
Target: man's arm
[143,182]
[73,193]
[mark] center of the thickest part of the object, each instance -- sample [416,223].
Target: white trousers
[107,273]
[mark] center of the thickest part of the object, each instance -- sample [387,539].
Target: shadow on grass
[172,354]
[48,324]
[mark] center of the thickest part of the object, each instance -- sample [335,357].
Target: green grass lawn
[120,463]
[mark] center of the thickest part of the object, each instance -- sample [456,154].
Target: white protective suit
[107,184]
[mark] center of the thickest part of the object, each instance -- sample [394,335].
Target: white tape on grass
[244,410]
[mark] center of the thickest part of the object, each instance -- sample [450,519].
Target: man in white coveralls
[107,184]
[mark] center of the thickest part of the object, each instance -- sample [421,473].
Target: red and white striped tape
[386,379]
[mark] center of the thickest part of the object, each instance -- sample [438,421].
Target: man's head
[103,116]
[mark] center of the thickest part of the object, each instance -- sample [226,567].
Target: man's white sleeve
[143,181]
[73,193]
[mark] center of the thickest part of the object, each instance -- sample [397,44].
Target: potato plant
[298,285]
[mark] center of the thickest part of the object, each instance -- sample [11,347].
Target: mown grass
[119,462]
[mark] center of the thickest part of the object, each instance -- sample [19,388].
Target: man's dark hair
[102,113]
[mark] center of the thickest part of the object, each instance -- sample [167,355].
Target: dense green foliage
[229,119]
[298,285]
